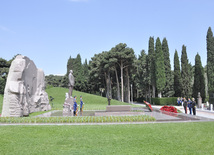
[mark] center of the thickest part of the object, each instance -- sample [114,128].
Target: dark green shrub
[165,101]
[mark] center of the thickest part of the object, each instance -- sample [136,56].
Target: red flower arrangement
[169,109]
[148,105]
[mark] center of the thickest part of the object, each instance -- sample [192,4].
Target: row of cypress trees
[152,75]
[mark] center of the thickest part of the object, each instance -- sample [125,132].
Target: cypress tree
[199,80]
[168,90]
[210,60]
[141,74]
[185,74]
[159,68]
[151,65]
[69,65]
[177,75]
[78,73]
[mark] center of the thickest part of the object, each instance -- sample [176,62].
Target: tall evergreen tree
[199,80]
[159,68]
[185,74]
[141,74]
[78,73]
[151,65]
[69,65]
[210,60]
[168,90]
[177,75]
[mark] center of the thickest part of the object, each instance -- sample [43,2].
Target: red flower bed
[148,105]
[169,109]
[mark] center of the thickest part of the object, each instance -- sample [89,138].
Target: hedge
[165,101]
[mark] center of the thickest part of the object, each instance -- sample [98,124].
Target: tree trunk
[128,85]
[153,91]
[149,94]
[137,93]
[108,85]
[122,93]
[118,86]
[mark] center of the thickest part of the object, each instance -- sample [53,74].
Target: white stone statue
[25,89]
[71,83]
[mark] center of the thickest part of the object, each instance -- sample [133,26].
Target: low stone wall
[118,108]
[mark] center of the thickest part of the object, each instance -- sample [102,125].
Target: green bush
[84,119]
[165,101]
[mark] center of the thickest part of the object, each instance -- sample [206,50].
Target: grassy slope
[92,102]
[167,138]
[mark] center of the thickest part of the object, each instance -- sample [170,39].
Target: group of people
[191,104]
[75,106]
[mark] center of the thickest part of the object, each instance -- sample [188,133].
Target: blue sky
[50,31]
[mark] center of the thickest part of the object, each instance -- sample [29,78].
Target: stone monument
[199,100]
[25,89]
[69,100]
[71,83]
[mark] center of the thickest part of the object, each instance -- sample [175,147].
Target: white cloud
[3,28]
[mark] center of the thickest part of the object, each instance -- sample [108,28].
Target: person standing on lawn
[75,105]
[81,104]
[178,101]
[190,106]
[193,106]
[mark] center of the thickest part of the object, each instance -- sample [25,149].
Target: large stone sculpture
[25,89]
[71,83]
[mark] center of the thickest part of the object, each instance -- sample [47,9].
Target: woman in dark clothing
[189,102]
[185,105]
[193,106]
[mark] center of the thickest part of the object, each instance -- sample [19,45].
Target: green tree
[185,74]
[85,76]
[151,66]
[210,60]
[177,75]
[125,58]
[199,80]
[4,70]
[96,76]
[101,69]
[141,80]
[78,73]
[168,90]
[159,68]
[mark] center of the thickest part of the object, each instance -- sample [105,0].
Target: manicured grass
[167,138]
[92,102]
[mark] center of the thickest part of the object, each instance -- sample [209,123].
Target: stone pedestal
[118,108]
[68,105]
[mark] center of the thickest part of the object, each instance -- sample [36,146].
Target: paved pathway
[201,115]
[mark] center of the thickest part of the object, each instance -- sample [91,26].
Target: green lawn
[92,102]
[166,138]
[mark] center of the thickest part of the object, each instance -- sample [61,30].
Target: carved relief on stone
[25,89]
